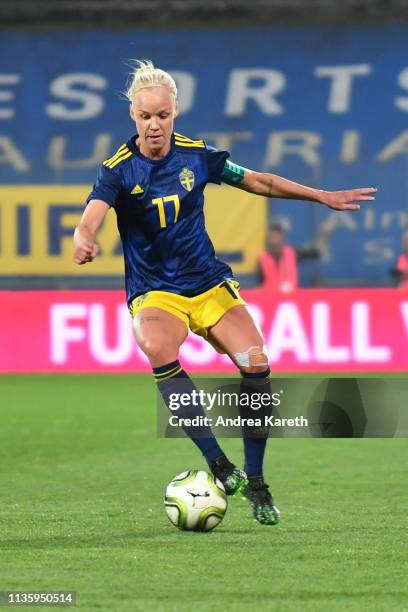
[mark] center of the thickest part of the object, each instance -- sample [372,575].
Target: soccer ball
[195,501]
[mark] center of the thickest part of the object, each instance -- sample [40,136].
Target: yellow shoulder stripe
[181,137]
[119,159]
[184,140]
[122,149]
[197,144]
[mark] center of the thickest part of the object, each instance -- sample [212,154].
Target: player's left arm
[274,186]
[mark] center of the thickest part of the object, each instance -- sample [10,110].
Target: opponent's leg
[160,334]
[241,338]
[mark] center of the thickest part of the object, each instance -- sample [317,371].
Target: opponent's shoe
[263,506]
[233,479]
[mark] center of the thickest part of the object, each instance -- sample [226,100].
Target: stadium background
[82,469]
[338,121]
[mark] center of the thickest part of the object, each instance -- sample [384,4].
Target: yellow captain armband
[232,173]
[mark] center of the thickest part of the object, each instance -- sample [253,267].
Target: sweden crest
[186,177]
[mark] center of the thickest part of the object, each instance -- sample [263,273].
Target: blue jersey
[159,207]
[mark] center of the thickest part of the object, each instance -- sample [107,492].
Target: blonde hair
[147,75]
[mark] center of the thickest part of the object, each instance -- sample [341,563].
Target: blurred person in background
[400,272]
[278,264]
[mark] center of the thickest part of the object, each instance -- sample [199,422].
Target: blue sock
[254,442]
[171,378]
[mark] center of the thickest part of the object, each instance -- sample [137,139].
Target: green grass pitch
[82,480]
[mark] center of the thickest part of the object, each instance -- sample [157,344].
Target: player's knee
[254,359]
[158,350]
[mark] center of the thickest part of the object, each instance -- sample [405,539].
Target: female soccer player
[174,281]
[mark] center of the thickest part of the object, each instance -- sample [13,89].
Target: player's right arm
[86,248]
[104,195]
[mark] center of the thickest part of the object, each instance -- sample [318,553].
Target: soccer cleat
[263,507]
[233,479]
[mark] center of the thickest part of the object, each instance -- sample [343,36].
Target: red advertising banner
[336,330]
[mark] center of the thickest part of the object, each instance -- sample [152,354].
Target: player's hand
[348,200]
[85,252]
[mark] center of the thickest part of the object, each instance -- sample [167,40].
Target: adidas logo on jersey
[137,190]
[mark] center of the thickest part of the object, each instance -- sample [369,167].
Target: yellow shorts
[200,312]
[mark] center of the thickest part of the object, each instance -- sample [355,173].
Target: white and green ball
[195,501]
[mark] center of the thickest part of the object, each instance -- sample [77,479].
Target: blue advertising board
[325,107]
